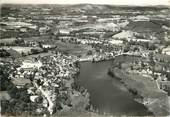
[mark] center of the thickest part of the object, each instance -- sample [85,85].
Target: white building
[30,64]
[64,31]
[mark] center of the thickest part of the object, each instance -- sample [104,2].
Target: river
[108,95]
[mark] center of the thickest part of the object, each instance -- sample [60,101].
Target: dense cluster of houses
[48,77]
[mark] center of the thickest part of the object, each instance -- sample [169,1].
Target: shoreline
[147,111]
[91,59]
[149,101]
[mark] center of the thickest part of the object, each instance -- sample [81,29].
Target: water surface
[108,95]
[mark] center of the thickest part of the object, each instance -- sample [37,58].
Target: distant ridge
[85,4]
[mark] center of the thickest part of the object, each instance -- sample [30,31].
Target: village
[42,51]
[50,80]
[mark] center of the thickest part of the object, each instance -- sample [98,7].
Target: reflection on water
[107,94]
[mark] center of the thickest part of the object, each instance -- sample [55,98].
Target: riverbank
[108,96]
[144,91]
[95,59]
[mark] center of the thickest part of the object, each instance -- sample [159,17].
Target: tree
[127,48]
[19,41]
[4,81]
[120,65]
[40,44]
[142,64]
[4,53]
[168,76]
[89,52]
[34,51]
[151,61]
[23,54]
[4,106]
[152,47]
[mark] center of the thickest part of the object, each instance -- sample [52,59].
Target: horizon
[86,4]
[94,2]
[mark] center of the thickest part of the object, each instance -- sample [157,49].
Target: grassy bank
[144,91]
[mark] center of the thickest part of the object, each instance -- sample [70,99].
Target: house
[31,43]
[11,18]
[64,31]
[21,82]
[48,46]
[116,42]
[166,50]
[29,64]
[33,98]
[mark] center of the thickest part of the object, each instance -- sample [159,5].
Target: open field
[73,49]
[9,40]
[4,95]
[20,49]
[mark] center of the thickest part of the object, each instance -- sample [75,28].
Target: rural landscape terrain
[84,59]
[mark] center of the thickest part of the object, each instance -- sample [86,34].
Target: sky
[113,2]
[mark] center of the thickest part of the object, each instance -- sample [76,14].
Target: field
[20,49]
[7,40]
[73,49]
[4,95]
